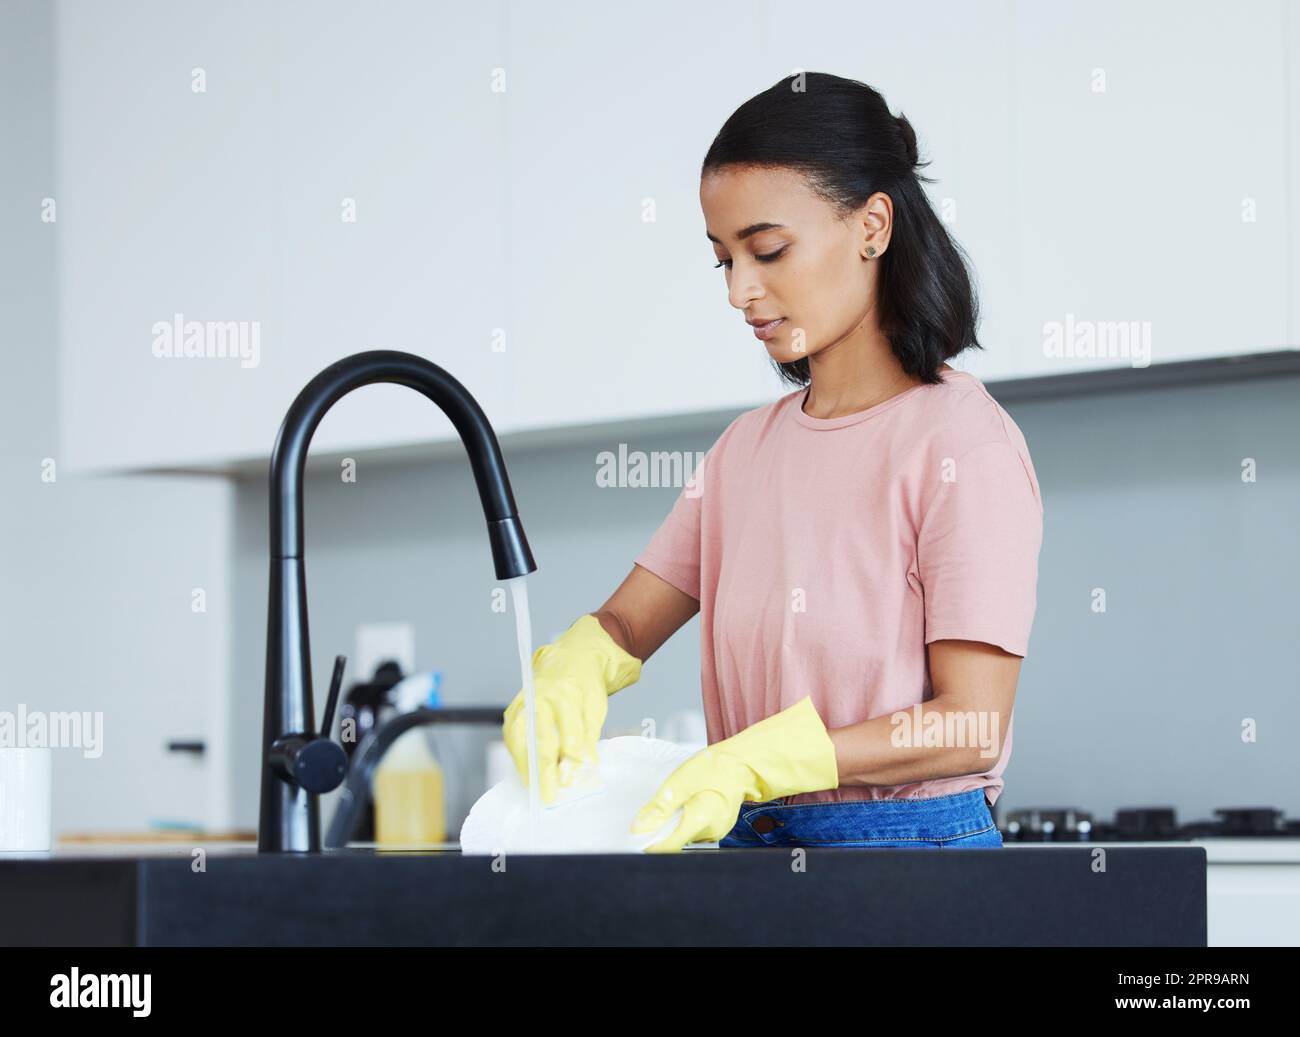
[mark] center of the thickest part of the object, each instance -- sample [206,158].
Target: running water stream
[524,635]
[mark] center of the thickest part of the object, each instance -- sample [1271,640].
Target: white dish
[631,768]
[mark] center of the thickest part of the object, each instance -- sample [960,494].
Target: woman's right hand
[573,678]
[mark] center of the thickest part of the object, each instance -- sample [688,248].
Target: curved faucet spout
[290,817]
[382,365]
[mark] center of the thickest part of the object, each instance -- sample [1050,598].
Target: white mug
[25,798]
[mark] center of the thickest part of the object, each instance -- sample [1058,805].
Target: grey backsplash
[1143,496]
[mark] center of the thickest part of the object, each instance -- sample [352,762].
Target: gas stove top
[1143,824]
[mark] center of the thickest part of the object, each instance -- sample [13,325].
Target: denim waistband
[934,819]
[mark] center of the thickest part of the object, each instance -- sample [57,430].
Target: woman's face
[802,264]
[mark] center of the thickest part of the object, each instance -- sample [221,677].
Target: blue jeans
[958,821]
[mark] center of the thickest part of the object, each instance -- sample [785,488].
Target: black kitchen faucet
[299,763]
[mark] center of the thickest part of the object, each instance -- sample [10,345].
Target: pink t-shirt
[826,553]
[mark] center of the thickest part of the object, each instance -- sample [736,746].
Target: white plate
[631,768]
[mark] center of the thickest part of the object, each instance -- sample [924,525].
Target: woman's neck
[831,397]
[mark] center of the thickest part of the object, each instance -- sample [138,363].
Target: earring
[870,251]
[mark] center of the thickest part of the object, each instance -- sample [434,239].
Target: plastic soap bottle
[410,806]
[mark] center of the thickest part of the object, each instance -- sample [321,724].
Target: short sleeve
[673,553]
[977,549]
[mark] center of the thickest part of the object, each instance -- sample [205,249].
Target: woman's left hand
[788,753]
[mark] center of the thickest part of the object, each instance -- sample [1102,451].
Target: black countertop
[1013,896]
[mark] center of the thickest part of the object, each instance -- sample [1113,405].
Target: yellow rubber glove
[788,753]
[573,678]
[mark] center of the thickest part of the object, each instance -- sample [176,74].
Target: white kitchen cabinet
[617,310]
[121,603]
[1149,172]
[1291,58]
[228,205]
[166,205]
[949,69]
[1253,905]
[390,108]
[545,244]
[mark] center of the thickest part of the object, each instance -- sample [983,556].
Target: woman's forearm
[644,612]
[930,740]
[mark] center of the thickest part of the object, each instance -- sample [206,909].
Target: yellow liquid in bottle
[409,806]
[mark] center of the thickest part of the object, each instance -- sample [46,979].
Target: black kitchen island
[1013,896]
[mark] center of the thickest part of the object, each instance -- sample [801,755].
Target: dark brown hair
[840,135]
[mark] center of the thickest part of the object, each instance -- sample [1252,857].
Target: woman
[863,551]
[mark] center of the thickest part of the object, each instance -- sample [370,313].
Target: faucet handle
[332,701]
[311,762]
[314,762]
